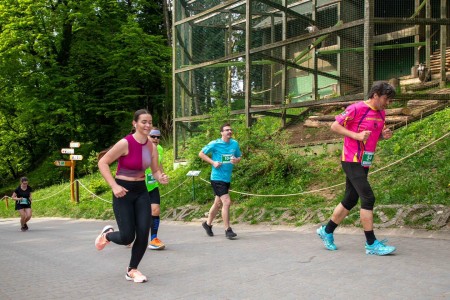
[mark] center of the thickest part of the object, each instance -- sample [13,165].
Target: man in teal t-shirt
[225,153]
[153,191]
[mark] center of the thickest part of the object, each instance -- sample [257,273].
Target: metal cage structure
[259,56]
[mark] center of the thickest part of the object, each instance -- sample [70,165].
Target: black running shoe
[25,226]
[208,229]
[229,233]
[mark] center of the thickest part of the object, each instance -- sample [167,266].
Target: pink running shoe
[135,275]
[101,241]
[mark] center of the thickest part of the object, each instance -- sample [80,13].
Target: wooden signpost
[63,163]
[70,163]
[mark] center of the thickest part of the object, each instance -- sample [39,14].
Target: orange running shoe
[101,241]
[156,244]
[135,275]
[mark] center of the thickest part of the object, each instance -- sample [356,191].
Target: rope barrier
[104,200]
[339,184]
[52,194]
[251,194]
[409,155]
[175,188]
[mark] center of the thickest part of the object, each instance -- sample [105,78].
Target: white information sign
[74,145]
[193,173]
[67,151]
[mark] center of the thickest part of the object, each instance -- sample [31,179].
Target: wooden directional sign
[74,145]
[63,163]
[67,151]
[76,157]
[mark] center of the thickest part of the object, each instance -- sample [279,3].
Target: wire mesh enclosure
[263,55]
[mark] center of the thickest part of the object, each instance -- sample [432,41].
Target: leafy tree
[77,70]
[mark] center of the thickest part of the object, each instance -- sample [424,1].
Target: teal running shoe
[327,238]
[379,248]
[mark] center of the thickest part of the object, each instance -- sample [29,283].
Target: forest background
[76,70]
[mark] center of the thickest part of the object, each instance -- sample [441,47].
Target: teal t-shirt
[150,181]
[222,151]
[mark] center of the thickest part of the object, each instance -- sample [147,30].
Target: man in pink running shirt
[362,124]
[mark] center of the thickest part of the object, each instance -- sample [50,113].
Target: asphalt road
[56,259]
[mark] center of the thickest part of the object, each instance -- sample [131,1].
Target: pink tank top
[136,161]
[358,117]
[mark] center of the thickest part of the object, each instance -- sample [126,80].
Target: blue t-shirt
[222,152]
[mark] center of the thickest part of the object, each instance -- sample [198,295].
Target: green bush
[98,186]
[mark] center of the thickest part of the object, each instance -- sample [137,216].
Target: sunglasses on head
[155,136]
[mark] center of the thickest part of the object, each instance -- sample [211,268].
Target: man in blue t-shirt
[225,153]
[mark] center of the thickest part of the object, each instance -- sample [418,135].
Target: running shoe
[230,234]
[208,229]
[156,244]
[25,226]
[135,275]
[379,248]
[327,238]
[23,229]
[101,241]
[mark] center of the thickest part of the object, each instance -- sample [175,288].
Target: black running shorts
[155,198]
[220,188]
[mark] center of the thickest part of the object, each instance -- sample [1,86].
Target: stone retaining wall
[385,216]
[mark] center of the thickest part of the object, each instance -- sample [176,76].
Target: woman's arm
[118,150]
[14,197]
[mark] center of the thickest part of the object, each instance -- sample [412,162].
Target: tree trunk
[316,124]
[322,118]
[396,119]
[398,111]
[167,22]
[416,103]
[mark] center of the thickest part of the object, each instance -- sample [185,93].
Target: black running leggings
[133,216]
[356,186]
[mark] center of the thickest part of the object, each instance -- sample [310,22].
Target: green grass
[423,178]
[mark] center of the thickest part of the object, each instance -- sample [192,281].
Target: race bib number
[367,159]
[24,201]
[150,179]
[226,158]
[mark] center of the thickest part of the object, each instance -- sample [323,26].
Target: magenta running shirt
[136,161]
[359,117]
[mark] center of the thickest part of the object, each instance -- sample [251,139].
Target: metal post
[443,77]
[193,174]
[174,82]
[77,191]
[416,38]
[428,36]
[368,45]
[284,74]
[315,83]
[248,62]
[72,179]
[193,188]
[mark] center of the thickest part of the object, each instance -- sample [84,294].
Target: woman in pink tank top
[131,202]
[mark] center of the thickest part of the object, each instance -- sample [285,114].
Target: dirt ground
[303,136]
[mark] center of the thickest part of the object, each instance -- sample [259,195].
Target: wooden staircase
[435,61]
